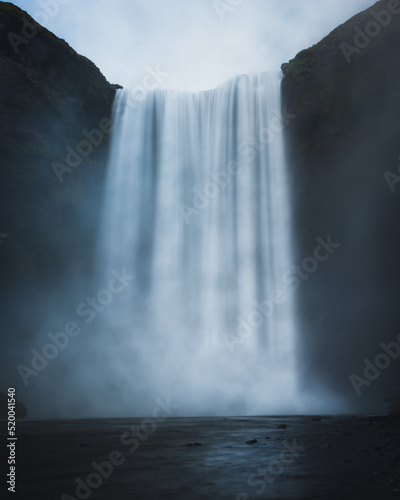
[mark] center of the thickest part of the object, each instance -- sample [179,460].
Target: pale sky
[189,40]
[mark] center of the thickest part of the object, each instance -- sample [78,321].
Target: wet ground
[208,458]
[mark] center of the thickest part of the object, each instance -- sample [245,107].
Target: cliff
[49,95]
[344,155]
[329,85]
[53,103]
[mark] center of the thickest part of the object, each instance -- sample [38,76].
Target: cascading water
[197,210]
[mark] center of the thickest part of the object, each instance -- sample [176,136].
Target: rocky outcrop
[49,93]
[344,148]
[328,85]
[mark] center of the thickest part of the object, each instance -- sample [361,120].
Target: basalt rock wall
[344,152]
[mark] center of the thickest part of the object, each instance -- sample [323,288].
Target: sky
[193,44]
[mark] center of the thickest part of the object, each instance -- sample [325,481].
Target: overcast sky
[196,45]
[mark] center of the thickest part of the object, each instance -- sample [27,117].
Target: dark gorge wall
[344,147]
[51,99]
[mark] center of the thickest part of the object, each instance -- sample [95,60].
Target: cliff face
[51,99]
[344,149]
[55,111]
[345,79]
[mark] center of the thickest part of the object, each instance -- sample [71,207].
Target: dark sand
[209,458]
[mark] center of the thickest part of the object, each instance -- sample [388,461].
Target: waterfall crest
[197,209]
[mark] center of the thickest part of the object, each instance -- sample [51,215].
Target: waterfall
[196,209]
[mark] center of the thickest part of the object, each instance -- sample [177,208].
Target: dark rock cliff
[49,95]
[51,99]
[344,149]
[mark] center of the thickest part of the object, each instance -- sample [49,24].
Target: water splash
[197,209]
